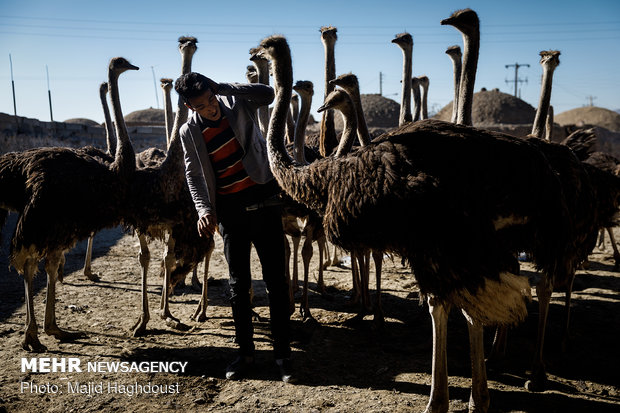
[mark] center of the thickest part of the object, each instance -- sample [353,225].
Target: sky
[68,44]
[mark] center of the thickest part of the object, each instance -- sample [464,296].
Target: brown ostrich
[405,42]
[111,150]
[356,117]
[162,208]
[53,190]
[424,83]
[454,52]
[466,21]
[166,86]
[432,175]
[417,101]
[327,134]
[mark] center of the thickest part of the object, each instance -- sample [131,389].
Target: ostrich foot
[176,324]
[139,328]
[305,314]
[378,322]
[537,381]
[257,317]
[93,276]
[64,335]
[196,285]
[31,343]
[355,321]
[200,314]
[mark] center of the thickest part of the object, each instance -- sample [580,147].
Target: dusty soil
[341,368]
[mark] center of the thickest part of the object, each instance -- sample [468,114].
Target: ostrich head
[119,65]
[465,20]
[103,88]
[550,59]
[328,34]
[165,83]
[251,74]
[337,99]
[276,47]
[403,40]
[304,87]
[347,81]
[423,81]
[187,44]
[256,54]
[454,52]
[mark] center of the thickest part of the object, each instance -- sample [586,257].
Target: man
[228,174]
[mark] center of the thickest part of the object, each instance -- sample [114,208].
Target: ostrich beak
[323,107]
[446,21]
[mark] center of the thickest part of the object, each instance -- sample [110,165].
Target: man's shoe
[286,371]
[239,367]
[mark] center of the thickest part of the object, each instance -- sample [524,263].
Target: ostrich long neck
[125,157]
[262,68]
[300,128]
[545,99]
[405,103]
[471,45]
[109,130]
[417,101]
[293,179]
[457,66]
[549,125]
[362,129]
[424,86]
[174,158]
[327,140]
[349,119]
[168,114]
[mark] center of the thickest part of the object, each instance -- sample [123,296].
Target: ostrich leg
[439,398]
[52,262]
[539,376]
[201,311]
[31,337]
[144,256]
[479,398]
[88,272]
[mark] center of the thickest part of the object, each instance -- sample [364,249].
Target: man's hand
[206,225]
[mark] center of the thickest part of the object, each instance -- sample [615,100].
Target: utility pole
[49,93]
[380,84]
[591,99]
[517,80]
[13,87]
[155,85]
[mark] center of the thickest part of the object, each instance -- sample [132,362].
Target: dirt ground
[341,367]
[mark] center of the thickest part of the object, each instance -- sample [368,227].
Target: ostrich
[466,21]
[312,229]
[161,207]
[405,42]
[262,70]
[166,86]
[454,52]
[433,174]
[111,150]
[53,190]
[251,74]
[417,101]
[350,84]
[424,86]
[327,139]
[549,59]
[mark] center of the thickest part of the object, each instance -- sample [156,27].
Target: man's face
[206,105]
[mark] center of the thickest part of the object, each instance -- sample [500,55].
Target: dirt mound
[590,115]
[380,112]
[148,116]
[493,107]
[82,121]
